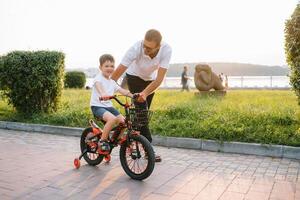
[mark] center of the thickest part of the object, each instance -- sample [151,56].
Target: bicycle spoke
[129,162]
[92,156]
[138,161]
[132,166]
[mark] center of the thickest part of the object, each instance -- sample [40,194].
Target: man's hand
[142,97]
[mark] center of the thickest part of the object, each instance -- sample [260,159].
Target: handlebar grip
[135,96]
[106,98]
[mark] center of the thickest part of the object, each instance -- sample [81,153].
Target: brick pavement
[40,166]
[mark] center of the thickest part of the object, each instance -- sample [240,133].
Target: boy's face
[107,68]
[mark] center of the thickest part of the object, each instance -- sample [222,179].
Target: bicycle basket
[139,117]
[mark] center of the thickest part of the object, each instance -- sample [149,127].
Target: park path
[40,166]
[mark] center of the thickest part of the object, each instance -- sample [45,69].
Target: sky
[246,31]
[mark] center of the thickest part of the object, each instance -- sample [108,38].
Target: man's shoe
[157,158]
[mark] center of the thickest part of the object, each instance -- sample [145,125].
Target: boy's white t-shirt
[110,87]
[142,65]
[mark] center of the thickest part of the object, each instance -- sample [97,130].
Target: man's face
[150,47]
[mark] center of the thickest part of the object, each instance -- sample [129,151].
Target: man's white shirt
[142,65]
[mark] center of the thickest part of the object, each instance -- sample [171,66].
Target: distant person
[185,80]
[104,86]
[147,63]
[226,81]
[220,77]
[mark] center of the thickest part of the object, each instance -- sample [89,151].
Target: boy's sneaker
[103,147]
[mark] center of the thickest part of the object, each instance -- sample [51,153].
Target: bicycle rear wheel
[91,157]
[137,157]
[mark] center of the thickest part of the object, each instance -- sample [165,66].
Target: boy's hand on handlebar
[130,95]
[105,98]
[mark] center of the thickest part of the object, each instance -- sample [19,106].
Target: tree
[292,49]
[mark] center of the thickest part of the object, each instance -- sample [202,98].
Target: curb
[57,130]
[278,151]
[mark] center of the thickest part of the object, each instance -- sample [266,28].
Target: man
[184,79]
[146,62]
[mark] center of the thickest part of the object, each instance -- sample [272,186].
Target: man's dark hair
[153,35]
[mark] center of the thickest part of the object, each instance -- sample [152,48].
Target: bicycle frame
[128,123]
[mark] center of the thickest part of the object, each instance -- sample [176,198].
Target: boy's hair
[106,57]
[153,35]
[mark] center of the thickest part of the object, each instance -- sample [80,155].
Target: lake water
[233,82]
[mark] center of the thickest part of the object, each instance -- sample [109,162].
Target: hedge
[292,49]
[32,81]
[75,79]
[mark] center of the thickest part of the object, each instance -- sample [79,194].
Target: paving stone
[40,166]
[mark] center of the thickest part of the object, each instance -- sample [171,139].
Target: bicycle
[135,149]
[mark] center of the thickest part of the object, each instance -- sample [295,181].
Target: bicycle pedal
[103,152]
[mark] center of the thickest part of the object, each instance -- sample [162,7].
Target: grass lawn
[260,116]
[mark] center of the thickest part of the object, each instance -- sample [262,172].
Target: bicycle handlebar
[135,96]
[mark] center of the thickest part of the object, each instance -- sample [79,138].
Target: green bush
[292,49]
[75,79]
[1,66]
[32,81]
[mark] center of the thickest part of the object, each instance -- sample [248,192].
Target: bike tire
[147,147]
[84,146]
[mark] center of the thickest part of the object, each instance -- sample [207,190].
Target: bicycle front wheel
[137,157]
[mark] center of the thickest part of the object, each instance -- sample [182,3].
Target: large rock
[205,79]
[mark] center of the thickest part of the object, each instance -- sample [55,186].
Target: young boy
[104,87]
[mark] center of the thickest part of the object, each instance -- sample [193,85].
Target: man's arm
[118,72]
[155,84]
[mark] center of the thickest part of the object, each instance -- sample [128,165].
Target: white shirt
[142,65]
[110,87]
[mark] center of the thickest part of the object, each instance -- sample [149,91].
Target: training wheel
[107,158]
[76,163]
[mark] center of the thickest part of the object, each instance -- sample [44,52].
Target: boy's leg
[120,122]
[120,119]
[110,120]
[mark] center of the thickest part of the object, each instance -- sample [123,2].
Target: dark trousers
[137,85]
